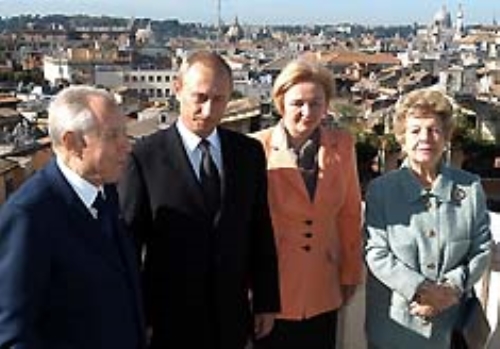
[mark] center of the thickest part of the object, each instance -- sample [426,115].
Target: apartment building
[155,84]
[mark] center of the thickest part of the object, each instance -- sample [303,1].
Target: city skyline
[265,12]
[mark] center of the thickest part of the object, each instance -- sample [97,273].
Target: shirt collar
[192,140]
[85,190]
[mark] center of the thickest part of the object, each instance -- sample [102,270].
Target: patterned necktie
[209,179]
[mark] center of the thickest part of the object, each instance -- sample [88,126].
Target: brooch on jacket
[458,194]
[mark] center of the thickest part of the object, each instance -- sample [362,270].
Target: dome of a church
[235,31]
[443,17]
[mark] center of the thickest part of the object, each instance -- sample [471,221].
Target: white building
[156,84]
[460,80]
[56,69]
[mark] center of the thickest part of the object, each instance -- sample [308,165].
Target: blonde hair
[426,102]
[301,70]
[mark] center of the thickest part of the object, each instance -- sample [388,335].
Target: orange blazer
[319,242]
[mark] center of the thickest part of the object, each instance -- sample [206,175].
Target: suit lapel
[88,228]
[282,160]
[327,168]
[126,250]
[228,180]
[179,165]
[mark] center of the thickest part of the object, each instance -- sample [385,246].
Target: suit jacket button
[431,233]
[306,248]
[431,266]
[308,222]
[308,235]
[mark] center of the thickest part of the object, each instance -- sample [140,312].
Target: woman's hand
[423,311]
[431,299]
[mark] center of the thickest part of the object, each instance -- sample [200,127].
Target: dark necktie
[104,216]
[209,179]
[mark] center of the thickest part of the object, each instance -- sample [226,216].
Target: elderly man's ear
[73,143]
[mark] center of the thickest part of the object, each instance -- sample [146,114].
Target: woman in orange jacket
[315,203]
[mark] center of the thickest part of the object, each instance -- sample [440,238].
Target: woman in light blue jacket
[427,233]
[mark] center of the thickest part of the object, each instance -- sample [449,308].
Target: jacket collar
[444,188]
[279,139]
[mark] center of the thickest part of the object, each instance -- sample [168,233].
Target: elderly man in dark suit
[195,196]
[68,272]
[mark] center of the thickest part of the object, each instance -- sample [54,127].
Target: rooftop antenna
[219,23]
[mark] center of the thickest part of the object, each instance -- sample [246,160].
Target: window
[158,78]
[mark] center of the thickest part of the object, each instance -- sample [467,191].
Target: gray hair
[70,111]
[427,102]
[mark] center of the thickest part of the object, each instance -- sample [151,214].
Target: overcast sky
[264,11]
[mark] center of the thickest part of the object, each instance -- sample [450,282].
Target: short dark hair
[208,59]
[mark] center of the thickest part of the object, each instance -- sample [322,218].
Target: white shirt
[85,190]
[191,141]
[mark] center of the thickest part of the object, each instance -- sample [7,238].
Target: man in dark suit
[195,196]
[68,272]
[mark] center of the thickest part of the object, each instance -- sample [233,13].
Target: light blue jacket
[413,235]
